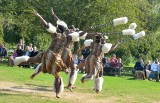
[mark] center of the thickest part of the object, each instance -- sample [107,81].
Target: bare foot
[69,87]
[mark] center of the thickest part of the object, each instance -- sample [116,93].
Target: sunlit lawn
[120,89]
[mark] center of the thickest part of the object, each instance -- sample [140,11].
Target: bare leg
[43,21]
[71,74]
[57,86]
[81,65]
[54,14]
[37,71]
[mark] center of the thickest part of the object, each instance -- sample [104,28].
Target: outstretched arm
[114,47]
[54,15]
[41,18]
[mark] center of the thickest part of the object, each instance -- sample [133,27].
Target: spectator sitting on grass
[19,51]
[147,68]
[11,58]
[107,66]
[119,67]
[27,52]
[154,70]
[34,52]
[139,67]
[113,61]
[3,52]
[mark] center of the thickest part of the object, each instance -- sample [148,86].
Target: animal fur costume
[93,64]
[58,56]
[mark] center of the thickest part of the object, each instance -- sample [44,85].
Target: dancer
[52,62]
[92,63]
[67,55]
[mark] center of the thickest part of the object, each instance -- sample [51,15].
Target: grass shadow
[34,87]
[131,79]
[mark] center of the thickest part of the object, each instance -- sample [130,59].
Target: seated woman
[119,67]
[11,58]
[107,66]
[147,68]
[3,52]
[113,61]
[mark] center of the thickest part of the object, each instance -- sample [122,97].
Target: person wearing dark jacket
[19,51]
[34,52]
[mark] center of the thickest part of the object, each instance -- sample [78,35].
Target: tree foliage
[17,21]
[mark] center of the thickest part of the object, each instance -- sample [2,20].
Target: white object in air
[88,42]
[118,21]
[138,35]
[106,47]
[75,36]
[132,26]
[83,36]
[128,32]
[62,23]
[51,29]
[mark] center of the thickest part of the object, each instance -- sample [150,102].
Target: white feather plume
[88,42]
[61,89]
[20,59]
[51,29]
[83,36]
[75,36]
[118,21]
[37,68]
[132,26]
[59,22]
[106,37]
[128,32]
[72,79]
[106,47]
[87,77]
[138,35]
[98,83]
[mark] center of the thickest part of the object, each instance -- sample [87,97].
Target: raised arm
[114,47]
[41,18]
[54,15]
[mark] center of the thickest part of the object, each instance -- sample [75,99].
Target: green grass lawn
[115,89]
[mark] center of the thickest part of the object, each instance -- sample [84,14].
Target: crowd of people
[113,65]
[22,50]
[147,70]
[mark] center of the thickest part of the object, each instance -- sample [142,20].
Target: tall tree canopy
[17,21]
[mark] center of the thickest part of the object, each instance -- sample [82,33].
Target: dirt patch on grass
[13,88]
